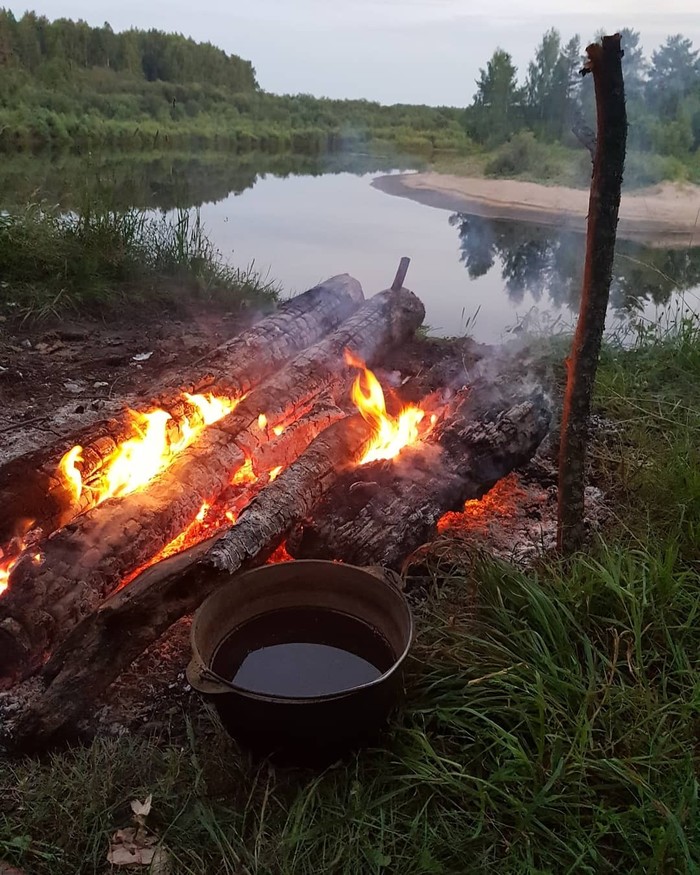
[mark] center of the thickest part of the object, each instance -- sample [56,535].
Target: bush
[525,154]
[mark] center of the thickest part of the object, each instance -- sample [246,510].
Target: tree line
[53,50]
[67,85]
[663,95]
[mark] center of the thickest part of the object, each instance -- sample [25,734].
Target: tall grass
[97,256]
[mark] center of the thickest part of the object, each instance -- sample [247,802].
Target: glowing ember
[230,516]
[8,562]
[278,429]
[138,460]
[392,433]
[498,504]
[245,474]
[275,472]
[262,421]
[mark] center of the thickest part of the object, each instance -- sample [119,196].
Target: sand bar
[667,214]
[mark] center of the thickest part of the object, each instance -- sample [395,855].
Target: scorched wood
[379,513]
[109,639]
[86,560]
[31,488]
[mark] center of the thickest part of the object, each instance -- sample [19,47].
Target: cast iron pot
[318,727]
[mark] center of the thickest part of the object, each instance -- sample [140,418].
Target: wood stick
[401,274]
[603,209]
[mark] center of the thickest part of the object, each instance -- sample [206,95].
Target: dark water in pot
[303,652]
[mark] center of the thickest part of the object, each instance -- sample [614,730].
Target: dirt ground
[54,379]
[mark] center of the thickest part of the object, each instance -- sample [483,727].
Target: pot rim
[218,689]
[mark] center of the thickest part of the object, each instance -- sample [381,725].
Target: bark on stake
[604,204]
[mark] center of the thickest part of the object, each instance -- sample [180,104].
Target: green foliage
[524,155]
[497,108]
[663,106]
[35,45]
[65,84]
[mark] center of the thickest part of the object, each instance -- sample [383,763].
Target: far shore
[667,214]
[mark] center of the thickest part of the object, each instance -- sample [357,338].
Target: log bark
[603,209]
[108,640]
[380,513]
[86,560]
[31,488]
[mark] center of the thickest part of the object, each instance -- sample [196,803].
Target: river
[300,220]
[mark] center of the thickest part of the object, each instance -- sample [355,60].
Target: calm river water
[299,224]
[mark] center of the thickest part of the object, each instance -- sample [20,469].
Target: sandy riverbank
[667,214]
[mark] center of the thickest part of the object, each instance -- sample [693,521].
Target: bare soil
[56,378]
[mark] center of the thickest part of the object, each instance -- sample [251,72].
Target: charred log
[109,639]
[380,513]
[84,562]
[31,488]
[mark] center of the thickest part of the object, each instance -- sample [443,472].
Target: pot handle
[199,678]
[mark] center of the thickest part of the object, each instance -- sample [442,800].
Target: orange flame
[274,473]
[392,433]
[71,475]
[262,421]
[278,429]
[7,563]
[6,566]
[245,474]
[138,460]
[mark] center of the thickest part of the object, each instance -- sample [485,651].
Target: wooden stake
[400,274]
[604,204]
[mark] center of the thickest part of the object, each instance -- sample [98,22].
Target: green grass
[97,258]
[526,158]
[552,723]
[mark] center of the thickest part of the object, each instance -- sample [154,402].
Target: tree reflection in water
[543,262]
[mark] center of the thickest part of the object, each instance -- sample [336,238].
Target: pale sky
[411,51]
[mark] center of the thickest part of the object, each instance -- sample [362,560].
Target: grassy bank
[555,730]
[98,258]
[527,158]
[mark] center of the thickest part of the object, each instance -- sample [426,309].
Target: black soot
[302,653]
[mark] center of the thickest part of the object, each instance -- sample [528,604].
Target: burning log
[109,639]
[84,562]
[381,512]
[35,491]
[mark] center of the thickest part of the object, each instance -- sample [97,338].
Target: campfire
[291,441]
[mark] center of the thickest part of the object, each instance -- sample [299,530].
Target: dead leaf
[132,847]
[142,809]
[162,864]
[141,357]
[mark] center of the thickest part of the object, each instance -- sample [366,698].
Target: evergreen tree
[496,109]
